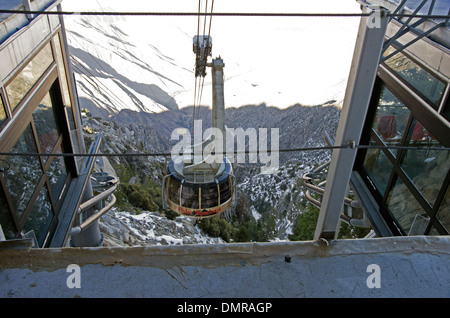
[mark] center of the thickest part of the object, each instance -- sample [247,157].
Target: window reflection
[425,83]
[443,214]
[378,167]
[189,197]
[390,119]
[426,168]
[40,217]
[25,80]
[57,175]
[446,111]
[6,220]
[2,112]
[403,205]
[64,84]
[45,124]
[24,172]
[209,197]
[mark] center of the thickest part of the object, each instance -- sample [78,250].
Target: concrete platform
[379,267]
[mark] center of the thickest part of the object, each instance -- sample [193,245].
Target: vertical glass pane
[426,168]
[6,219]
[443,214]
[40,217]
[57,175]
[189,198]
[446,111]
[378,167]
[390,119]
[425,83]
[403,206]
[66,100]
[2,113]
[24,172]
[25,80]
[209,197]
[173,192]
[45,124]
[63,81]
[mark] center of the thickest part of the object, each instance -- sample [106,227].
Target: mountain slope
[272,202]
[118,70]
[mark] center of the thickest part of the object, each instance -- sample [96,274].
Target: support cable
[165,154]
[196,62]
[222,14]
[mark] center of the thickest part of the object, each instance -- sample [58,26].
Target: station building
[39,114]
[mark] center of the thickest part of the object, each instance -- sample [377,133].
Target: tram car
[199,190]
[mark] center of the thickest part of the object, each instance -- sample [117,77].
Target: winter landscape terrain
[135,83]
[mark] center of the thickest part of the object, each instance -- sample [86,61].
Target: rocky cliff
[274,201]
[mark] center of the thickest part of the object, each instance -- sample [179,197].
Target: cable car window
[174,189]
[189,198]
[209,197]
[225,192]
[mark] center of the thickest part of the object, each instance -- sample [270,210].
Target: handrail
[307,181]
[90,220]
[94,200]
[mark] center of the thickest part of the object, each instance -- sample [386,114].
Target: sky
[277,61]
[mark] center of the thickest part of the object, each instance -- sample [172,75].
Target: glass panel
[57,175]
[174,190]
[426,168]
[446,111]
[6,220]
[378,167]
[189,197]
[24,173]
[443,214]
[45,124]
[225,191]
[403,206]
[433,231]
[209,197]
[40,217]
[63,81]
[25,80]
[2,112]
[425,83]
[66,100]
[419,225]
[390,119]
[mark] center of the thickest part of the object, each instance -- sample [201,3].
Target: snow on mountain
[145,63]
[150,228]
[132,69]
[118,69]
